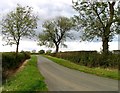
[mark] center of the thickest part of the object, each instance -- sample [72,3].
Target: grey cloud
[44,9]
[51,10]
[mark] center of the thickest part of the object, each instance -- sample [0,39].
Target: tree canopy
[97,20]
[18,24]
[55,32]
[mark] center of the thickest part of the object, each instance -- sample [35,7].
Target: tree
[34,51]
[98,20]
[41,51]
[55,32]
[18,24]
[48,52]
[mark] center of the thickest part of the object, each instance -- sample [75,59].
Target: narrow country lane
[59,78]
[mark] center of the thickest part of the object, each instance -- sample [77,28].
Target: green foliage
[55,32]
[90,58]
[27,54]
[48,52]
[18,24]
[28,79]
[94,18]
[42,51]
[97,20]
[109,73]
[34,53]
[10,61]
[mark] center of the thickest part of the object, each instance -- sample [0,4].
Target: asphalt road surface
[59,78]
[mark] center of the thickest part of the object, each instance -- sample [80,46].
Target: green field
[27,79]
[109,73]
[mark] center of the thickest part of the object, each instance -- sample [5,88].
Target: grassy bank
[27,79]
[109,73]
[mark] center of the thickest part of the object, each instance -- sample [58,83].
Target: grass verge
[27,79]
[97,71]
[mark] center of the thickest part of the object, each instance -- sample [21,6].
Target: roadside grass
[109,73]
[27,79]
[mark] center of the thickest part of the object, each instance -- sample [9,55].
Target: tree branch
[95,10]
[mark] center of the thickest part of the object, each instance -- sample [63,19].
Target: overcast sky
[48,9]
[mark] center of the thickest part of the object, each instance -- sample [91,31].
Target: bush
[27,54]
[10,61]
[48,52]
[42,51]
[90,58]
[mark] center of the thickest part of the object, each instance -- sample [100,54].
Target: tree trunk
[57,48]
[105,40]
[17,47]
[105,46]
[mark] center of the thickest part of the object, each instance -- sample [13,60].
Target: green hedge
[90,58]
[10,61]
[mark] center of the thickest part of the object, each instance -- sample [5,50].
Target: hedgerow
[11,62]
[90,58]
